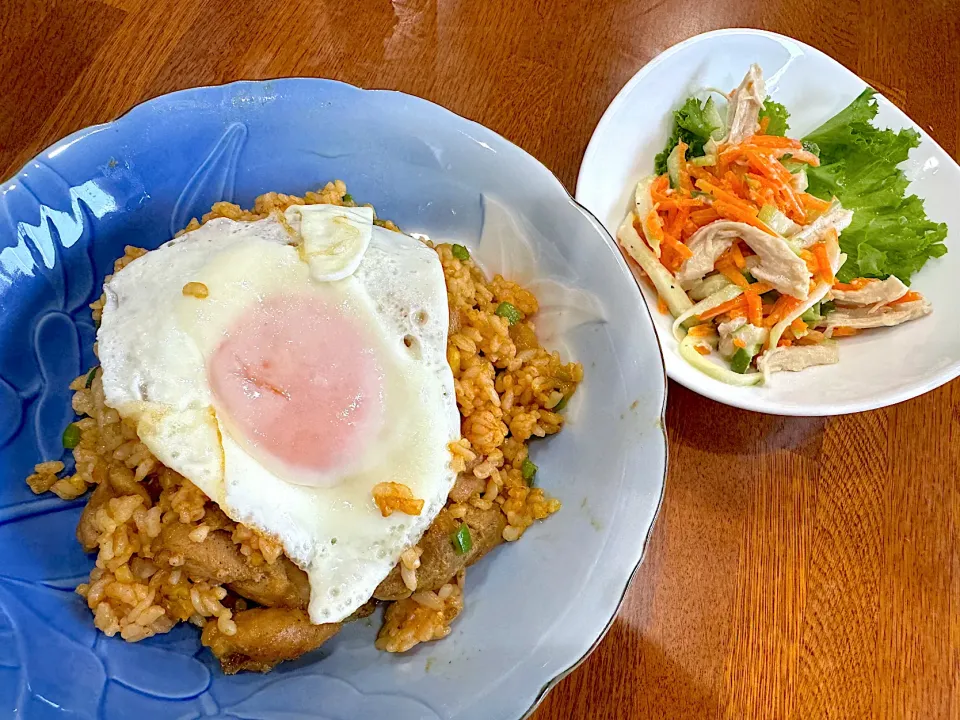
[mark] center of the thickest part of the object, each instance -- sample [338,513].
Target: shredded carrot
[726,196]
[811,202]
[855,284]
[658,191]
[811,261]
[669,258]
[737,256]
[662,305]
[678,247]
[823,262]
[656,227]
[736,184]
[701,330]
[732,212]
[813,337]
[761,287]
[769,167]
[737,342]
[784,305]
[773,141]
[701,349]
[844,331]
[805,157]
[784,342]
[676,225]
[799,327]
[764,124]
[754,307]
[704,217]
[736,303]
[726,266]
[909,296]
[676,201]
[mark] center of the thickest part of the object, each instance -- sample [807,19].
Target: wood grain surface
[800,568]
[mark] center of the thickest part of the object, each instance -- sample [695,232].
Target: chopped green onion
[348,198]
[560,405]
[529,470]
[462,542]
[460,252]
[71,436]
[740,361]
[508,311]
[90,376]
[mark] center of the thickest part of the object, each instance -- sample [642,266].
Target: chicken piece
[87,532]
[707,244]
[265,637]
[886,316]
[467,484]
[778,264]
[835,217]
[877,292]
[283,584]
[440,561]
[743,110]
[217,559]
[798,357]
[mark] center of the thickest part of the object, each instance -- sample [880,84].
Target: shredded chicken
[743,110]
[778,264]
[798,357]
[873,293]
[886,316]
[835,217]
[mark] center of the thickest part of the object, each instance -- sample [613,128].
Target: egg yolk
[299,379]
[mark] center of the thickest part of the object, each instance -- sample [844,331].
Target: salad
[767,249]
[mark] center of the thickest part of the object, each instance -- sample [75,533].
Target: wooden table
[800,568]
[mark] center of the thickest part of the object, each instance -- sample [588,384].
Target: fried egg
[287,366]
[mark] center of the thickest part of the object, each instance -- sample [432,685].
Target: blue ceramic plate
[534,608]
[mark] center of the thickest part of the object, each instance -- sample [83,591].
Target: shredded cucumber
[705,161]
[667,286]
[740,361]
[689,353]
[777,221]
[689,318]
[644,204]
[673,166]
[708,286]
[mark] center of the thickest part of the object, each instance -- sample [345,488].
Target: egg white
[154,343]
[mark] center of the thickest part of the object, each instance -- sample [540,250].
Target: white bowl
[877,368]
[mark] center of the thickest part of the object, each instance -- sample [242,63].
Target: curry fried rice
[167,554]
